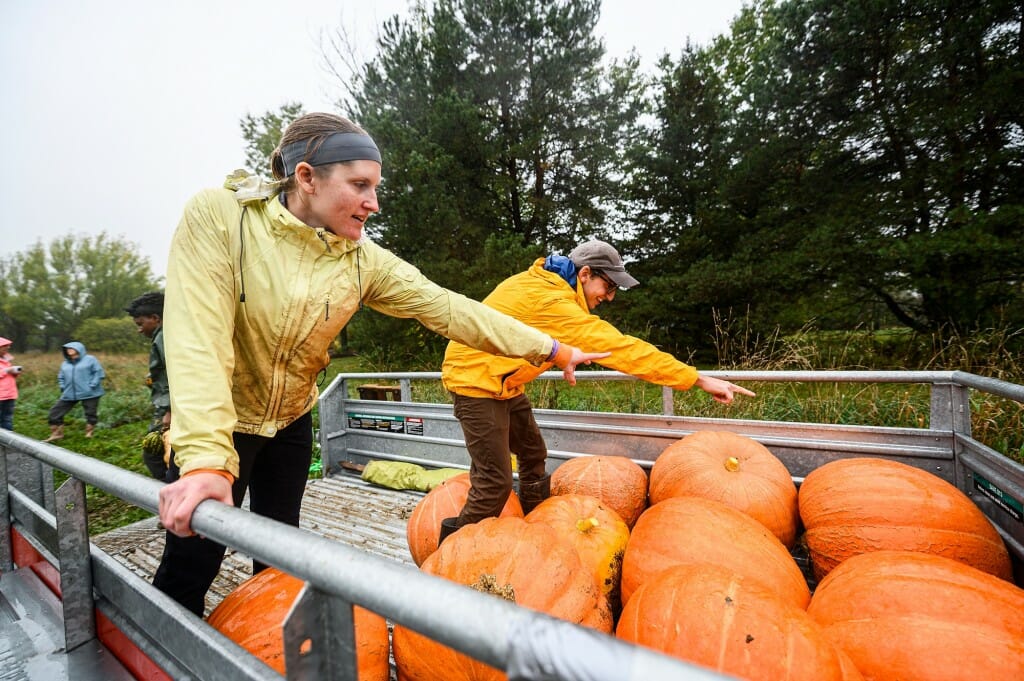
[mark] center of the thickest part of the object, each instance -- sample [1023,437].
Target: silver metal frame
[494,631]
[945,447]
[508,637]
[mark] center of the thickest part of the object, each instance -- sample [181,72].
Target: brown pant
[494,429]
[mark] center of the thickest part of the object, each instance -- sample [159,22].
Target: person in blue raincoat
[81,380]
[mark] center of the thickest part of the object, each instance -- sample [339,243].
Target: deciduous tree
[50,290]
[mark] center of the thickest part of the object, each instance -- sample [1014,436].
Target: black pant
[274,470]
[60,409]
[154,461]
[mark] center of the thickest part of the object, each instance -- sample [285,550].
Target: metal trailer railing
[427,433]
[318,634]
[524,643]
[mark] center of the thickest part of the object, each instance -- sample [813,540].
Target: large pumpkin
[596,531]
[913,615]
[852,506]
[733,469]
[683,530]
[444,501]
[619,482]
[527,563]
[713,617]
[253,617]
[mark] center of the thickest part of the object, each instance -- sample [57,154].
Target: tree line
[75,285]
[850,165]
[854,164]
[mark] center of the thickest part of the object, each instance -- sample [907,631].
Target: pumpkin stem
[587,524]
[732,464]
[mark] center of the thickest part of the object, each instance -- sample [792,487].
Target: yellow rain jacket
[254,299]
[545,301]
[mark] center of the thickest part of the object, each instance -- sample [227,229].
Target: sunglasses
[611,285]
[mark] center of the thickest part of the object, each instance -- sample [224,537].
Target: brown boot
[532,492]
[89,429]
[56,433]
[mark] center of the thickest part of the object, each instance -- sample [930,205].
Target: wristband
[224,474]
[554,350]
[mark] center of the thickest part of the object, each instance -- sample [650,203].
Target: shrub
[117,335]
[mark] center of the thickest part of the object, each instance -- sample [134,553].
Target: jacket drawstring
[241,252]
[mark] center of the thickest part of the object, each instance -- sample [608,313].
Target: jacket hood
[249,188]
[76,346]
[563,267]
[5,341]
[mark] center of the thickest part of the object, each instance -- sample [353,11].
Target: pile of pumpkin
[696,561]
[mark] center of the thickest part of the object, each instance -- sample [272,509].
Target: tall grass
[994,353]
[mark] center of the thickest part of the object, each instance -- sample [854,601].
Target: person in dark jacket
[81,380]
[147,312]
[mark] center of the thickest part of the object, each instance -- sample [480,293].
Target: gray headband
[340,146]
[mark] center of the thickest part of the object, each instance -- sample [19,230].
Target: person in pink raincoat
[8,384]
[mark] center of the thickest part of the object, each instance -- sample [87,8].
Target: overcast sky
[116,111]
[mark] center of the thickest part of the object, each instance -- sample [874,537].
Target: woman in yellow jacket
[261,278]
[555,295]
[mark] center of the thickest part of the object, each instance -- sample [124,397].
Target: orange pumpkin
[683,530]
[527,563]
[253,617]
[619,482]
[852,506]
[734,469]
[713,617]
[596,531]
[913,615]
[444,501]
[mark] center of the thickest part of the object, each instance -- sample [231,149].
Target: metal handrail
[965,379]
[489,629]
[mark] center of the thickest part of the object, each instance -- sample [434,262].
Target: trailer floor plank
[342,507]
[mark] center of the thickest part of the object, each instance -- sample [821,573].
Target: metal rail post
[950,409]
[6,554]
[75,565]
[320,638]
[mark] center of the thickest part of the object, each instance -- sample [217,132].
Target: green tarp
[401,475]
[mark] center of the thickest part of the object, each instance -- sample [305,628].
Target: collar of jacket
[542,268]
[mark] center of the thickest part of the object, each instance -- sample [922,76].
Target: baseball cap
[601,256]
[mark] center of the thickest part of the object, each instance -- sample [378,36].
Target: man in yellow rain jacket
[556,295]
